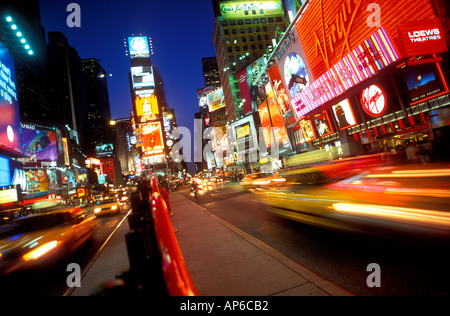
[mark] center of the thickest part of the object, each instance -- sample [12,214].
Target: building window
[255,21]
[248,21]
[240,22]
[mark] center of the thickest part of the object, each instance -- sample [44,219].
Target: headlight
[40,251]
[114,207]
[97,210]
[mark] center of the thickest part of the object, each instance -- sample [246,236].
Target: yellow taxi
[43,239]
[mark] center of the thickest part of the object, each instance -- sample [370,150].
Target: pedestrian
[411,152]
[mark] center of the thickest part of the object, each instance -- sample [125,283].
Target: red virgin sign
[422,37]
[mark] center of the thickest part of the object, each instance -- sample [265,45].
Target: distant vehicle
[109,205]
[43,239]
[248,180]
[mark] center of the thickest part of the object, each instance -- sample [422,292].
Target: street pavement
[222,260]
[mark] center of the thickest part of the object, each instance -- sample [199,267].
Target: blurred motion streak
[416,216]
[368,195]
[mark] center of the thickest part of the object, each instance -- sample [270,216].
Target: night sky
[181,33]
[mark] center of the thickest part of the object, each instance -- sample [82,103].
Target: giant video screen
[39,144]
[10,136]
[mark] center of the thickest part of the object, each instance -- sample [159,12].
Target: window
[255,21]
[248,21]
[240,22]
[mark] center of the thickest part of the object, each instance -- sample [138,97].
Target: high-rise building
[67,87]
[241,37]
[99,111]
[210,71]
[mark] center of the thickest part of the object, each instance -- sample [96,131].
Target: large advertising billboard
[138,46]
[153,141]
[249,9]
[216,100]
[10,136]
[292,72]
[142,77]
[329,30]
[270,116]
[147,108]
[39,145]
[374,54]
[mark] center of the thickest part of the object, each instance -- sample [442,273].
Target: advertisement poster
[142,77]
[424,82]
[307,130]
[147,108]
[202,96]
[10,136]
[344,114]
[138,46]
[245,91]
[104,150]
[323,124]
[39,144]
[279,89]
[250,9]
[216,100]
[277,121]
[292,66]
[37,182]
[153,142]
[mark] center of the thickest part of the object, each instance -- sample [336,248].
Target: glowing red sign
[376,53]
[373,100]
[422,37]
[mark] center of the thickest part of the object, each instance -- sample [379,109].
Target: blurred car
[43,239]
[107,206]
[123,197]
[248,180]
[393,201]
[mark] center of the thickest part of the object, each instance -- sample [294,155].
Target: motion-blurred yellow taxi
[385,201]
[107,206]
[43,239]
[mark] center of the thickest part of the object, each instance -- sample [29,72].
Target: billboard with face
[344,114]
[10,136]
[294,71]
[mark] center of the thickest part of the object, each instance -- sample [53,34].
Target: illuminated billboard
[323,124]
[152,137]
[245,131]
[271,117]
[307,130]
[104,150]
[10,136]
[142,77]
[39,144]
[37,182]
[249,9]
[376,53]
[422,37]
[138,46]
[424,81]
[344,114]
[202,96]
[216,100]
[147,108]
[329,30]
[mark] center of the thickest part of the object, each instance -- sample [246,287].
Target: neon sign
[374,54]
[373,100]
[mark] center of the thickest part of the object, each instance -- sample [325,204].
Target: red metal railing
[176,275]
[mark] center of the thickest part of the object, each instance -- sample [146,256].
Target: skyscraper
[242,35]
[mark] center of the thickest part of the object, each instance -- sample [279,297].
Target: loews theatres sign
[329,30]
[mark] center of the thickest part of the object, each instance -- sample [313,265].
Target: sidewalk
[222,259]
[225,261]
